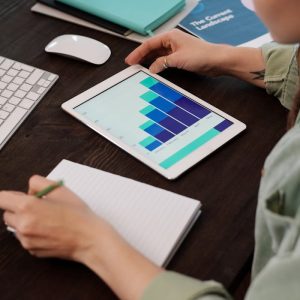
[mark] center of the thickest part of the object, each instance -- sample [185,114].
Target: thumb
[38,183]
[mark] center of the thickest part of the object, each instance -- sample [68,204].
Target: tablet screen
[153,118]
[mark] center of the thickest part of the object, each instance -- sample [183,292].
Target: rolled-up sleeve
[174,286]
[282,72]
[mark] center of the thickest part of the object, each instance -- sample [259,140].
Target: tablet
[157,122]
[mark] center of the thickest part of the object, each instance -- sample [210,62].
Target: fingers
[38,183]
[11,201]
[159,65]
[153,44]
[36,245]
[164,62]
[42,253]
[10,219]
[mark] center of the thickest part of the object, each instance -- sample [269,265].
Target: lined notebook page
[151,219]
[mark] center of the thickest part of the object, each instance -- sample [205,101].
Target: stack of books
[139,26]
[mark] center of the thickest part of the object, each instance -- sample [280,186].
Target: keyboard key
[26,87]
[46,83]
[2,72]
[51,77]
[1,121]
[33,96]
[41,82]
[8,107]
[2,100]
[24,74]
[35,76]
[17,66]
[26,103]
[27,68]
[18,80]
[12,87]
[20,94]
[6,64]
[1,59]
[14,100]
[3,85]
[7,93]
[3,114]
[12,73]
[7,79]
[41,90]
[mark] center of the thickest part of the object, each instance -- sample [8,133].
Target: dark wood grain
[220,244]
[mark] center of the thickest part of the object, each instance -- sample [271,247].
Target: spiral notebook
[152,220]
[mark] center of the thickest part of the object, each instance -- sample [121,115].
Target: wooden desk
[220,245]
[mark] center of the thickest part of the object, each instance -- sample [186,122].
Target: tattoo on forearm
[259,75]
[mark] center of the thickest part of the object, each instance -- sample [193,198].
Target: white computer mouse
[79,47]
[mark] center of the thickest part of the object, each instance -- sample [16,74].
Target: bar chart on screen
[154,118]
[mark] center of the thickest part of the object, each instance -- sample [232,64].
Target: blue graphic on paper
[223,22]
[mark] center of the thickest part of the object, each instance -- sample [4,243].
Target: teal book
[141,16]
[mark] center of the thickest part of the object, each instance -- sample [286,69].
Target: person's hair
[294,111]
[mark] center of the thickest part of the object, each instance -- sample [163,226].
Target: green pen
[49,189]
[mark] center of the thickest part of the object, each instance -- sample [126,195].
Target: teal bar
[149,96]
[146,110]
[172,160]
[149,82]
[146,125]
[147,141]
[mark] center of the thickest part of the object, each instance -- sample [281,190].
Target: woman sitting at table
[63,226]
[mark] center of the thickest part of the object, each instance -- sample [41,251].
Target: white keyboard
[22,87]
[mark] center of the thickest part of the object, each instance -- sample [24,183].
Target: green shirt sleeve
[173,286]
[281,74]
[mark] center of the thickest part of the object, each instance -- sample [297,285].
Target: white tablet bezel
[183,165]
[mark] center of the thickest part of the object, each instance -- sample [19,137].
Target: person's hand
[177,49]
[59,225]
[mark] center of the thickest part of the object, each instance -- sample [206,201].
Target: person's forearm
[244,63]
[123,268]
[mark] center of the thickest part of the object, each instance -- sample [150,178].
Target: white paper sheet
[151,219]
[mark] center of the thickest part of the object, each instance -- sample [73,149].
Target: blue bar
[164,136]
[165,92]
[223,125]
[162,104]
[192,107]
[153,145]
[172,125]
[156,115]
[183,116]
[154,129]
